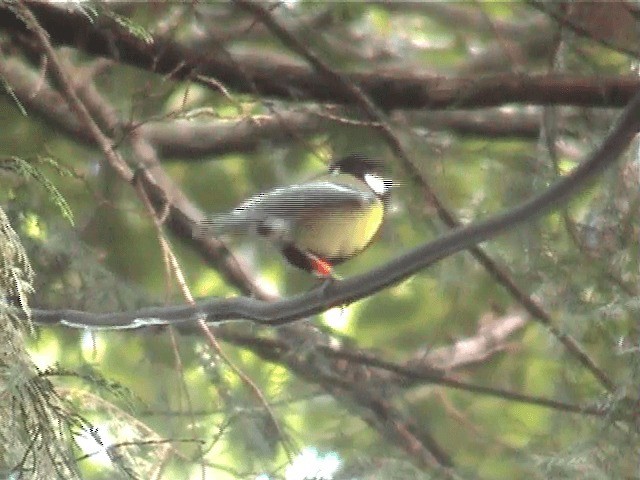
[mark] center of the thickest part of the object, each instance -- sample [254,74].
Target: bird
[315,224]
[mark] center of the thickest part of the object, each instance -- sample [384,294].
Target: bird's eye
[376,183]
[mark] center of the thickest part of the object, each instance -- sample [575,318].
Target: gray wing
[281,205]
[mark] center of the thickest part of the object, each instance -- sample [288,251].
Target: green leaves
[28,170]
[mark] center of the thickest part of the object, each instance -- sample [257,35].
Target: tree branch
[373,113]
[351,289]
[104,37]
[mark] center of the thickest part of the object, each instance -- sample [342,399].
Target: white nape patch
[376,183]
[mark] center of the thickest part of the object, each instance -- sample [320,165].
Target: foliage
[34,433]
[25,169]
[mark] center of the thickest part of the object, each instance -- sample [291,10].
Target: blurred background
[481,106]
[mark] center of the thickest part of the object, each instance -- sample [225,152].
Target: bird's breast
[340,233]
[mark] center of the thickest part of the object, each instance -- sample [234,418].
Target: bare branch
[288,80]
[490,338]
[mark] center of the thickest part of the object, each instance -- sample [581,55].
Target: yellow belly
[340,234]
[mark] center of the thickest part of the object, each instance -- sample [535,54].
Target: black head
[366,169]
[356,164]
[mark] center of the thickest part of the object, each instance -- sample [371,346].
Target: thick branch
[104,37]
[354,288]
[201,139]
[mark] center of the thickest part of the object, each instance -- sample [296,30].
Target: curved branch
[373,113]
[342,292]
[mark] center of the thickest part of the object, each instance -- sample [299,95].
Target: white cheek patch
[376,183]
